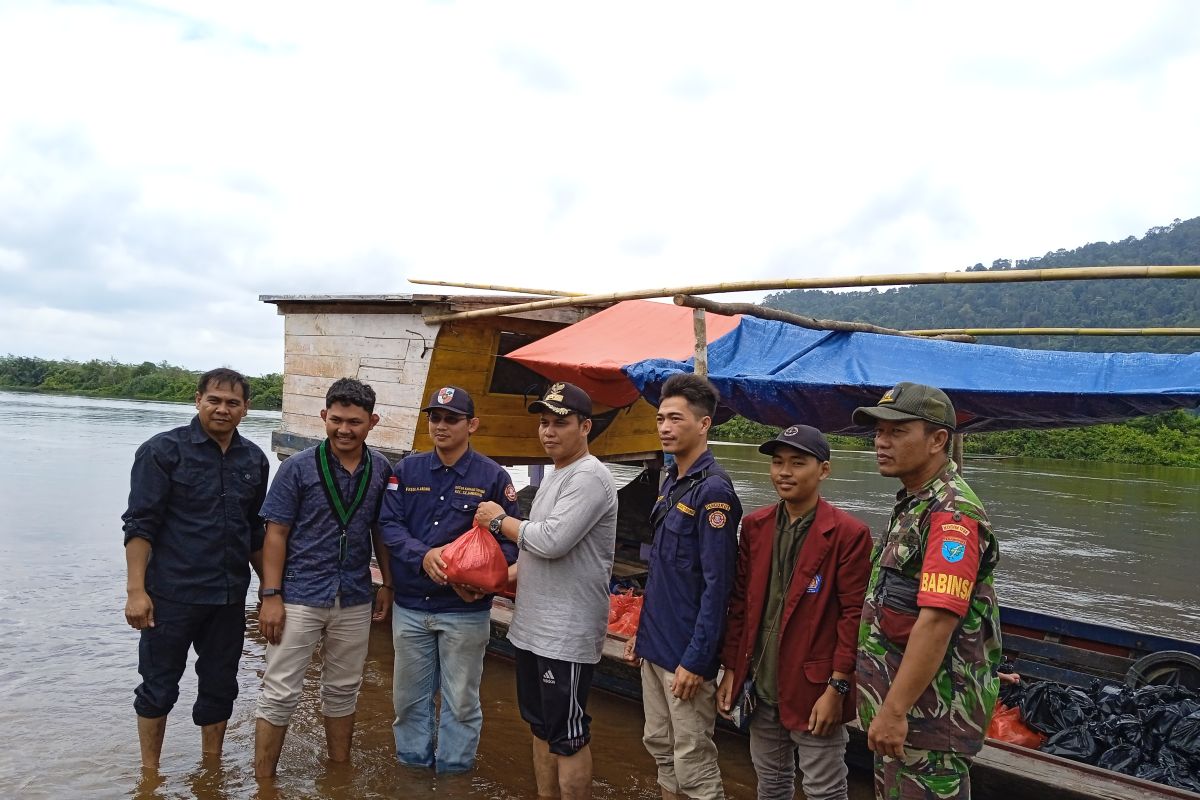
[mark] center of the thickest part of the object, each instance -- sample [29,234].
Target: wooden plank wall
[384,350]
[507,431]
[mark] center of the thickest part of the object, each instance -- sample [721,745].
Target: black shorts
[552,696]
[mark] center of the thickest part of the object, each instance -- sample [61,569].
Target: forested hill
[1085,304]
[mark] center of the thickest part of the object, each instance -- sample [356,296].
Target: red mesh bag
[475,559]
[1007,726]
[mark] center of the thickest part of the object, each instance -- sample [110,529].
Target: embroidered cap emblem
[792,431]
[445,394]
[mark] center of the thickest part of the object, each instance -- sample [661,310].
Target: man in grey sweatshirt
[563,570]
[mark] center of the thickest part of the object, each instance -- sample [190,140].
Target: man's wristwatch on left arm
[840,686]
[271,592]
[497,521]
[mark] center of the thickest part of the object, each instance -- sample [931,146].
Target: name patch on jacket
[417,489]
[469,491]
[717,507]
[691,512]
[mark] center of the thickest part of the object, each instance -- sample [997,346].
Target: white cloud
[163,163]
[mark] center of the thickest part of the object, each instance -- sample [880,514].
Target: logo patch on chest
[814,585]
[510,493]
[393,484]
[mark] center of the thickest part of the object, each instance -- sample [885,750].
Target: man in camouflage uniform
[929,640]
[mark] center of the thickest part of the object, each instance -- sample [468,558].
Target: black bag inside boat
[1124,758]
[1052,707]
[1075,743]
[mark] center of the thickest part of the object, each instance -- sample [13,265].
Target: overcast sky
[164,163]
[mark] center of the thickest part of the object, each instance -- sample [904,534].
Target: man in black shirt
[194,498]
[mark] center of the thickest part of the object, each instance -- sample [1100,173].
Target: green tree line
[145,381]
[1170,439]
[1074,304]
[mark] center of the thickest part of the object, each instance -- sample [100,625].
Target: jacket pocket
[818,672]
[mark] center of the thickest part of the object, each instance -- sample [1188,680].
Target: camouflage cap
[906,401]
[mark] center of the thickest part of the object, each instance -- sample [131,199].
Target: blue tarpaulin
[779,374]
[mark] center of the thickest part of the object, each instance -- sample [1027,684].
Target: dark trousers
[216,633]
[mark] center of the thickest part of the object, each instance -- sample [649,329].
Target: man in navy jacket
[683,617]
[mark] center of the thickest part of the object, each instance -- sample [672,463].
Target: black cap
[805,438]
[451,398]
[909,401]
[563,399]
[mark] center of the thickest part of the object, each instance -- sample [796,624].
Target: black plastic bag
[1172,770]
[1158,723]
[1075,743]
[1151,696]
[1112,700]
[1123,729]
[1124,758]
[1185,738]
[1051,707]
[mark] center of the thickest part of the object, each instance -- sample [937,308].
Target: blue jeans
[438,651]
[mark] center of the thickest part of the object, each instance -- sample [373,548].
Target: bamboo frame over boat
[1056,332]
[495,288]
[894,279]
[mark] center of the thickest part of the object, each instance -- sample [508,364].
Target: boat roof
[781,374]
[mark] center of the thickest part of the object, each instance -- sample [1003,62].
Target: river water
[1107,543]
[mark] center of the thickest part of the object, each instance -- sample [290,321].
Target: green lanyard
[341,509]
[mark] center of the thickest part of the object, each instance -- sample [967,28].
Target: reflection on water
[1096,541]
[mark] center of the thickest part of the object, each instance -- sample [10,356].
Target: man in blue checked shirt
[440,631]
[692,566]
[316,582]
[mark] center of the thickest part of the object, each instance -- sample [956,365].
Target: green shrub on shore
[1170,439]
[145,381]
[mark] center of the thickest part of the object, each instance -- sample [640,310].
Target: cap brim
[451,409]
[537,406]
[769,448]
[866,414]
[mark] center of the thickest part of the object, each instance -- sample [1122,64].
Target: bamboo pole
[956,451]
[493,288]
[729,309]
[1057,332]
[700,328]
[896,279]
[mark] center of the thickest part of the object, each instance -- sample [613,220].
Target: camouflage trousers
[923,775]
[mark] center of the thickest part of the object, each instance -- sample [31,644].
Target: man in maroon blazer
[802,573]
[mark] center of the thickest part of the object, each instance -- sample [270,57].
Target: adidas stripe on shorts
[552,696]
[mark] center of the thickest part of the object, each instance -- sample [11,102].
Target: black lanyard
[343,510]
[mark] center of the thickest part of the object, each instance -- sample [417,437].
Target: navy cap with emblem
[562,399]
[451,398]
[804,438]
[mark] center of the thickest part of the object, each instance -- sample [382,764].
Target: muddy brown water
[1102,542]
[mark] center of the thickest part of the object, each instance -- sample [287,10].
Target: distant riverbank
[145,381]
[1170,440]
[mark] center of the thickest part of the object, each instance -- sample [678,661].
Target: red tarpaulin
[591,353]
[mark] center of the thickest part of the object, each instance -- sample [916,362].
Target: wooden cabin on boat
[385,340]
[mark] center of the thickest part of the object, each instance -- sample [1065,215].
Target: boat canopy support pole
[700,327]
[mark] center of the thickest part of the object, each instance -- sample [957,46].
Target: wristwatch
[494,525]
[840,686]
[271,592]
